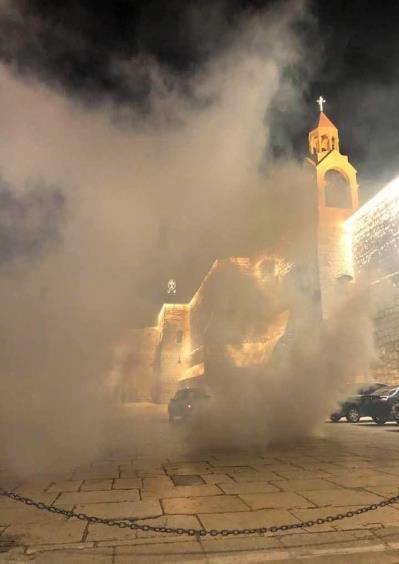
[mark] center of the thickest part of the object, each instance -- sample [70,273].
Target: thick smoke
[135,199]
[290,393]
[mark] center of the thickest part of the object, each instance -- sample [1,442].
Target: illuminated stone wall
[374,231]
[375,234]
[334,256]
[175,343]
[387,340]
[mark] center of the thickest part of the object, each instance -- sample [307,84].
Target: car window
[393,392]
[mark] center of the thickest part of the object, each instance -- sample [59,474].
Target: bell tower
[337,195]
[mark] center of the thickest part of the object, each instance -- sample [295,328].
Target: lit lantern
[172,286]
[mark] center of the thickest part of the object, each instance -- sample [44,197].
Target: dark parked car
[381,405]
[357,403]
[395,411]
[186,402]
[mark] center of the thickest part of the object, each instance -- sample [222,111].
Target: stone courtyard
[163,481]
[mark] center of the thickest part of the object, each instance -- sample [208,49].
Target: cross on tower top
[320,101]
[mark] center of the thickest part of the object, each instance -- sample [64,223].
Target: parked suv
[381,405]
[395,411]
[357,403]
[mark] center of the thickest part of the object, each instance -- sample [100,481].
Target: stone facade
[374,232]
[387,342]
[347,242]
[175,342]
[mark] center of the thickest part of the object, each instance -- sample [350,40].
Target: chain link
[131,523]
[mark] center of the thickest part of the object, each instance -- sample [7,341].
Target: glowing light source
[321,101]
[172,286]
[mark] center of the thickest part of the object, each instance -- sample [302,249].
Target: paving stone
[106,496]
[269,460]
[96,475]
[123,509]
[365,481]
[316,539]
[157,484]
[217,478]
[247,487]
[96,485]
[39,484]
[247,519]
[127,483]
[188,551]
[22,514]
[76,556]
[234,470]
[187,480]
[55,531]
[47,498]
[184,491]
[239,544]
[129,474]
[65,486]
[342,496]
[276,468]
[207,504]
[253,557]
[303,485]
[354,546]
[388,468]
[236,460]
[255,476]
[383,516]
[380,556]
[150,473]
[327,467]
[283,500]
[390,535]
[301,474]
[193,468]
[338,471]
[105,465]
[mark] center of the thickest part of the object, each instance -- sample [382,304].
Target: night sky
[351,47]
[353,50]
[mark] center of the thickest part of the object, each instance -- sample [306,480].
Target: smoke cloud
[104,202]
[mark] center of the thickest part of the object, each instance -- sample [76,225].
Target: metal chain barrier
[130,523]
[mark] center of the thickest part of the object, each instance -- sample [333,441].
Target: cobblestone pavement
[155,475]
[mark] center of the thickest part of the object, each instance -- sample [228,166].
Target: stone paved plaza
[155,475]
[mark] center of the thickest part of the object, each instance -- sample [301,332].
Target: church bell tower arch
[338,199]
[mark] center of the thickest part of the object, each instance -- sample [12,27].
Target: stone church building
[349,240]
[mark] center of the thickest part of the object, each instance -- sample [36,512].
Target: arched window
[325,143]
[337,190]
